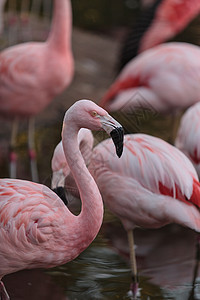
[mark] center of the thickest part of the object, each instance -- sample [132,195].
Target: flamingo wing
[29,220]
[154,164]
[158,75]
[153,183]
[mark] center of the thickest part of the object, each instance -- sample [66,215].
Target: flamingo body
[31,76]
[33,73]
[152,185]
[188,135]
[164,78]
[32,220]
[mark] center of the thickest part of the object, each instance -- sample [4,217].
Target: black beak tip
[60,191]
[117,136]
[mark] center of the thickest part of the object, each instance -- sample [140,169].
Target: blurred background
[99,30]
[165,259]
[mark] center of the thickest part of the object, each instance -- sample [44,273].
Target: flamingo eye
[93,113]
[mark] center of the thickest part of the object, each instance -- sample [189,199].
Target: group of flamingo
[151,185]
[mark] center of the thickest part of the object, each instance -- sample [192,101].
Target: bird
[36,228]
[61,175]
[32,74]
[152,185]
[163,79]
[188,135]
[158,23]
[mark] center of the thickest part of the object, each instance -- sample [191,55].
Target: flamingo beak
[115,130]
[117,136]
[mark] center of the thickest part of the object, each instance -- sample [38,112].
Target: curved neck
[60,34]
[91,216]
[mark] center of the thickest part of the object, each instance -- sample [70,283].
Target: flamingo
[188,135]
[163,79]
[61,173]
[32,74]
[36,229]
[153,184]
[163,20]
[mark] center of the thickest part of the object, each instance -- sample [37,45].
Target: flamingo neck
[60,34]
[91,216]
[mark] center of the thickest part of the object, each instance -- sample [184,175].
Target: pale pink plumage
[36,228]
[61,173]
[164,79]
[33,73]
[188,135]
[153,184]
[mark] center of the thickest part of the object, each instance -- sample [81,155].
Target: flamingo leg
[196,268]
[13,155]
[31,150]
[3,293]
[134,285]
[175,121]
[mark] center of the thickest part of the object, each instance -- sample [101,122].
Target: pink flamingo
[188,135]
[158,23]
[61,172]
[164,78]
[33,73]
[36,228]
[153,184]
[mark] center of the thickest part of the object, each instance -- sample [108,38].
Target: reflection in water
[166,257]
[33,285]
[98,273]
[166,264]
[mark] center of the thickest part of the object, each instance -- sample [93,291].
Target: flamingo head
[87,114]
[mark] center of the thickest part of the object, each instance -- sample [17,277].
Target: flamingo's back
[31,227]
[151,184]
[166,77]
[24,74]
